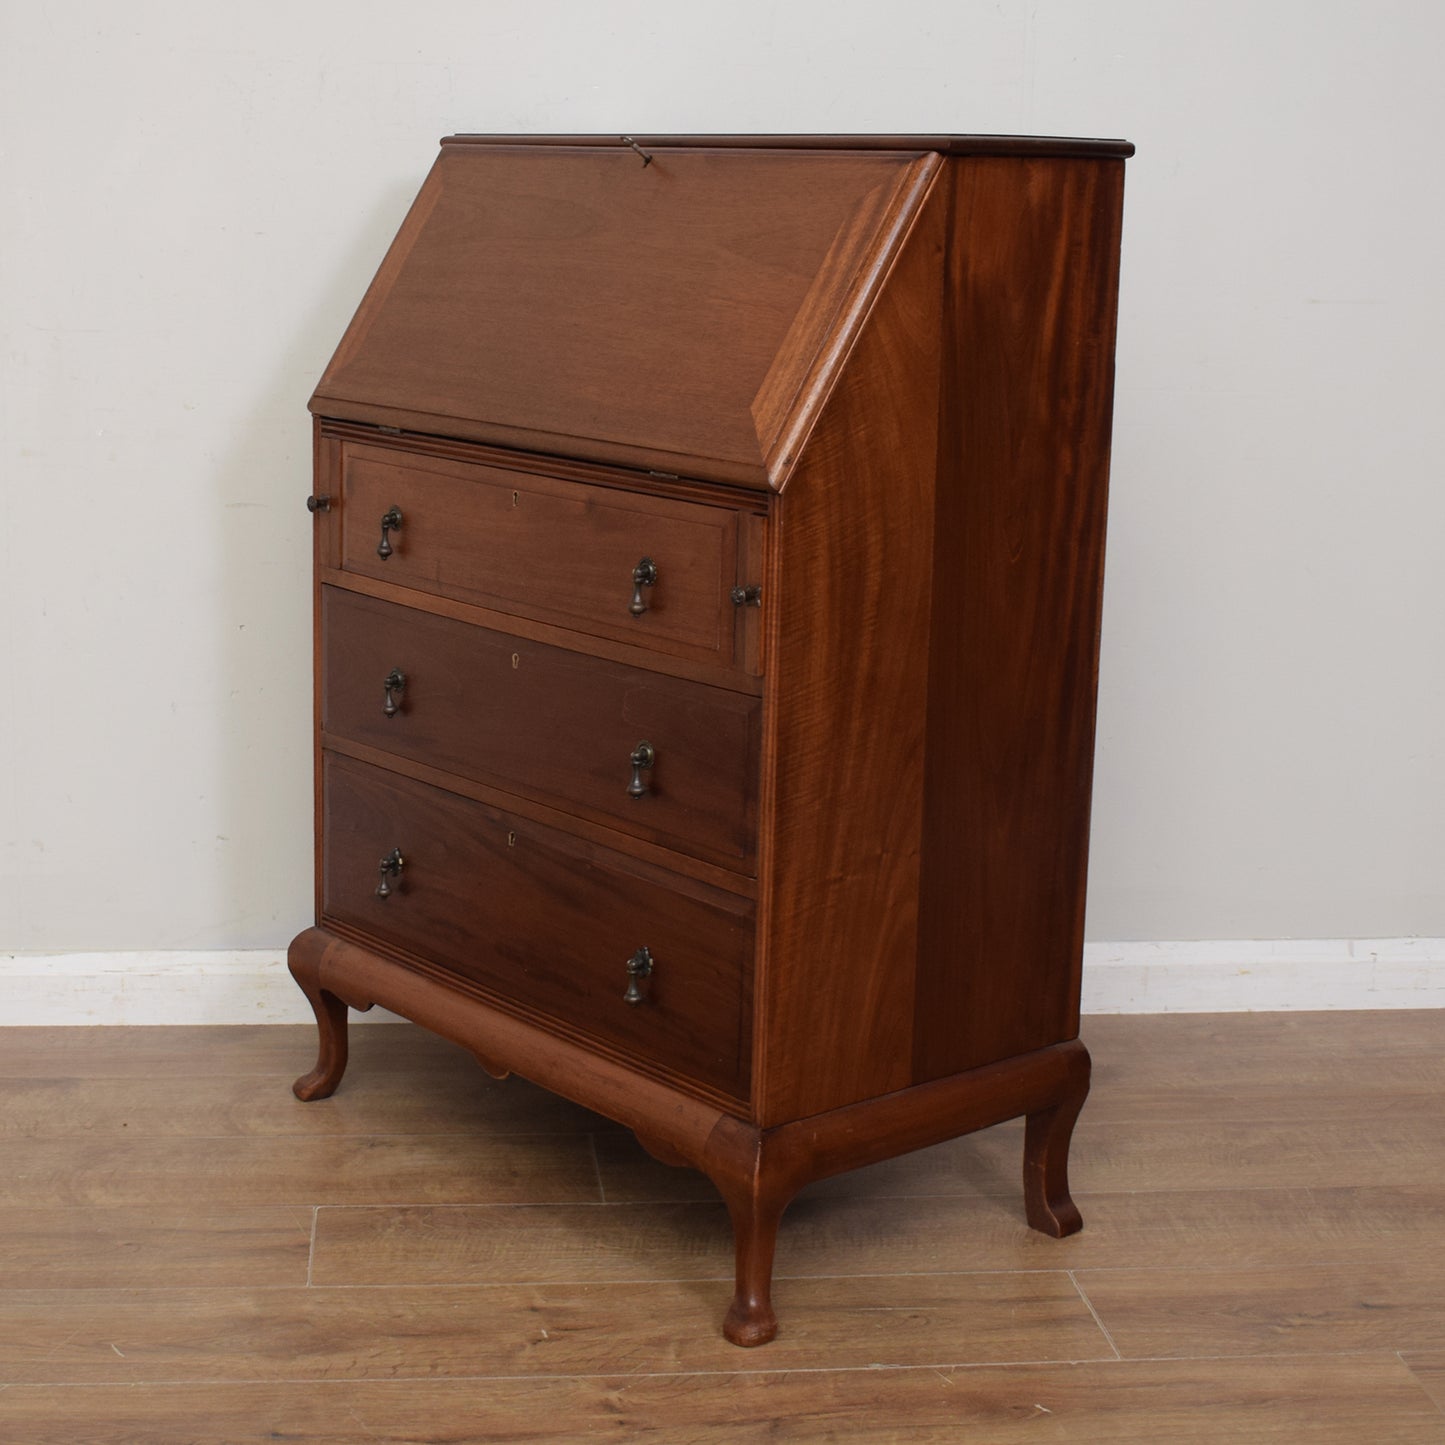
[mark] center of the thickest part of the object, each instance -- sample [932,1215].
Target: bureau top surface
[683,309]
[953,145]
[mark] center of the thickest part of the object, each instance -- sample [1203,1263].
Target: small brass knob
[639,970]
[643,575]
[644,755]
[390,522]
[394,684]
[391,867]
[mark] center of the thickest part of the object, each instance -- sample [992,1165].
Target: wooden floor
[187,1254]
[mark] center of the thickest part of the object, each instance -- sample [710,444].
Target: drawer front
[539,547]
[543,919]
[558,726]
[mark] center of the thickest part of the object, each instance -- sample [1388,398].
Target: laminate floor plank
[136,1336]
[1399,1148]
[1260,1043]
[822,1235]
[1292,1103]
[369,1102]
[1246,1067]
[327,1169]
[188,1254]
[524,1244]
[1429,1369]
[1304,1309]
[1323,1401]
[160,1244]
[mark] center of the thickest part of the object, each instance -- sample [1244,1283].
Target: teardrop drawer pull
[644,755]
[390,522]
[395,685]
[643,575]
[391,867]
[639,970]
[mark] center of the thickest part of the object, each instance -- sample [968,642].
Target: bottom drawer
[543,919]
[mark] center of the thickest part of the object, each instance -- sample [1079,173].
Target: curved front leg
[750,1319]
[1047,1134]
[321,1082]
[304,962]
[757,1186]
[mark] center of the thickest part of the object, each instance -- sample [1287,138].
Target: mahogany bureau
[709,550]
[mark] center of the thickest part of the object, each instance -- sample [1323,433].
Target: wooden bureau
[709,550]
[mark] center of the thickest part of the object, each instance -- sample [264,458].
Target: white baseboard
[251,986]
[1227,976]
[1264,975]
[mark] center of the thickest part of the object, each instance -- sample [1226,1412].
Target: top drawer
[559,552]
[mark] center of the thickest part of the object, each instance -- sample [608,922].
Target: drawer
[558,726]
[556,551]
[543,920]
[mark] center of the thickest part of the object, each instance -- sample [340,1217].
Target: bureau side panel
[846,601]
[1018,565]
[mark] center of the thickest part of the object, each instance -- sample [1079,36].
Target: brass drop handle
[390,522]
[639,970]
[643,575]
[395,685]
[391,867]
[644,755]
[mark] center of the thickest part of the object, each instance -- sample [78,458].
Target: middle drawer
[659,757]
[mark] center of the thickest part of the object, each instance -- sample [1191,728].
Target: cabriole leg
[1047,1134]
[756,1214]
[330,1014]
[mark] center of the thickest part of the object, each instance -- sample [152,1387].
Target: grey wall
[193,197]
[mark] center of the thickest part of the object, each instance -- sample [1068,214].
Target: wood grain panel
[600,835]
[1018,563]
[1332,1401]
[579,1328]
[556,725]
[714,674]
[575,301]
[847,602]
[544,919]
[556,551]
